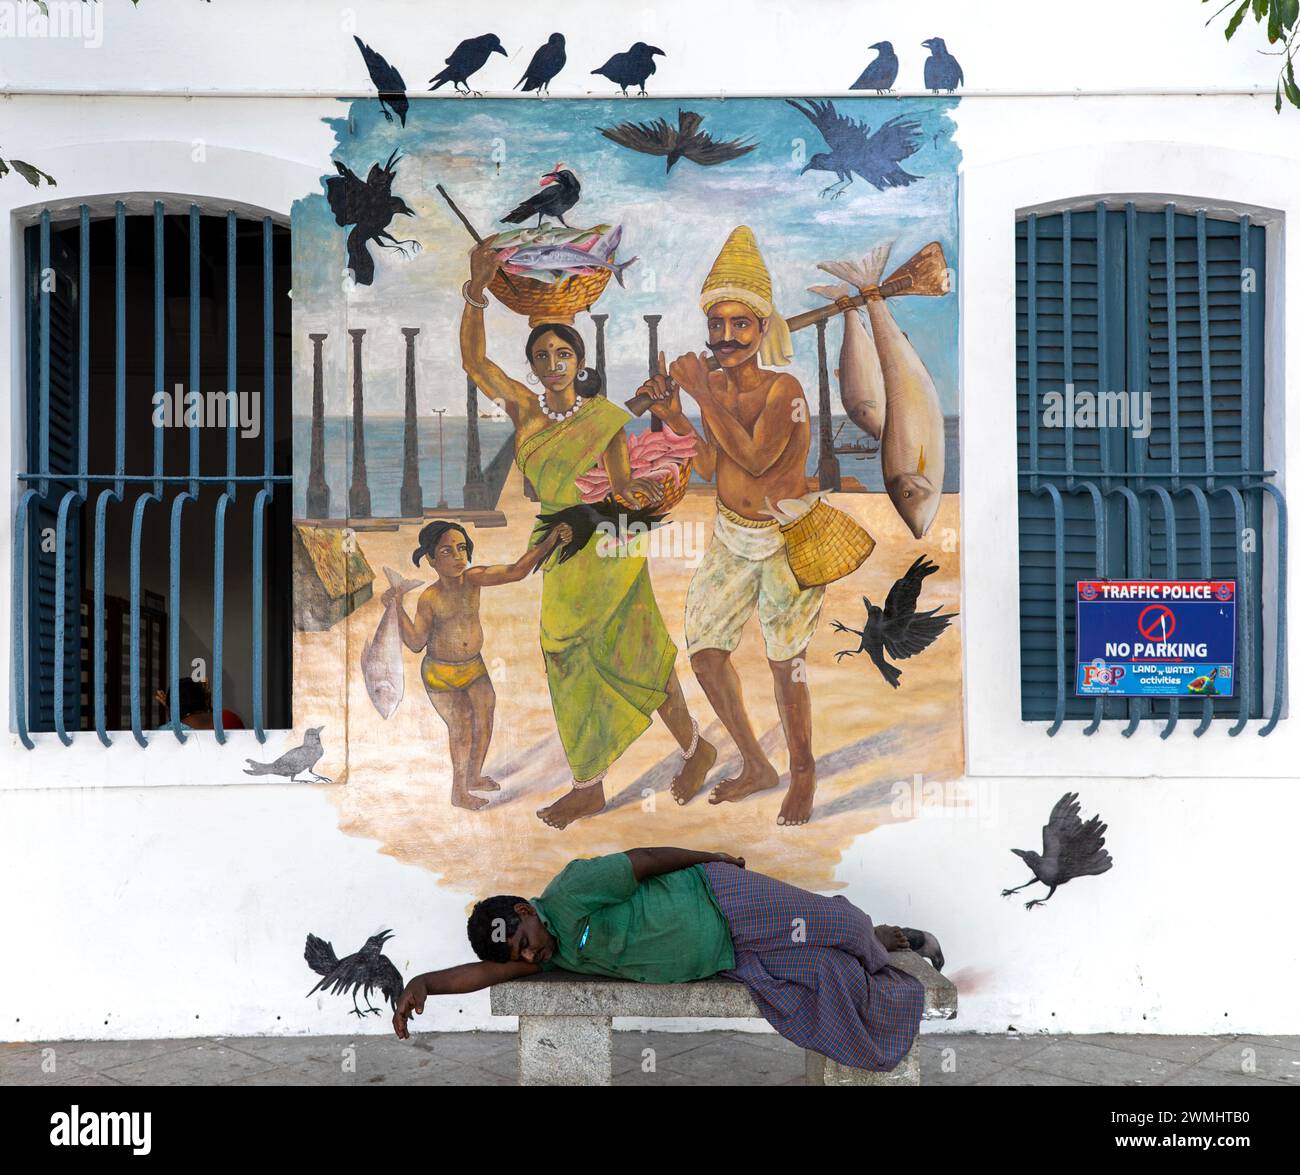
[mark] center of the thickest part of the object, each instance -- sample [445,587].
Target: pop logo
[1099,673]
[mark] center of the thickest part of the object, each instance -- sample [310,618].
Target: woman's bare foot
[892,938]
[463,799]
[797,807]
[573,805]
[752,778]
[689,780]
[485,783]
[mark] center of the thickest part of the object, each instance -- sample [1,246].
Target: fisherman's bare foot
[752,778]
[573,805]
[463,799]
[690,778]
[485,783]
[797,808]
[892,938]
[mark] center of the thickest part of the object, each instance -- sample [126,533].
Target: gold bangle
[464,293]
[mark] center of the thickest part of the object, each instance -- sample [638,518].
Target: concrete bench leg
[565,1050]
[823,1071]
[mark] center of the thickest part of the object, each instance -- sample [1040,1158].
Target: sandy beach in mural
[395,784]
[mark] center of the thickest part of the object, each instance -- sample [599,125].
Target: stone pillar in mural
[475,496]
[318,490]
[412,496]
[828,465]
[600,320]
[652,321]
[359,491]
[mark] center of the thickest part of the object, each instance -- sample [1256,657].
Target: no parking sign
[1156,638]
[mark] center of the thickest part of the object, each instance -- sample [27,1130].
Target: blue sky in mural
[490,154]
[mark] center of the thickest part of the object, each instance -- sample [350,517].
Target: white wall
[150,895]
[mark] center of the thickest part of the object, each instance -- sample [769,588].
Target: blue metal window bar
[64,491]
[1162,298]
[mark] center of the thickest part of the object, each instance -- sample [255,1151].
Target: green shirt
[665,929]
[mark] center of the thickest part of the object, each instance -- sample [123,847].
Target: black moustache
[716,347]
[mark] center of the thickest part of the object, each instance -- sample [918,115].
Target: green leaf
[33,175]
[1274,21]
[1277,98]
[1289,13]
[1237,18]
[1261,9]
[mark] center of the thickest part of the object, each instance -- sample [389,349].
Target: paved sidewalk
[648,1058]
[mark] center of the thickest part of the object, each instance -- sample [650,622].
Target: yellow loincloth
[451,675]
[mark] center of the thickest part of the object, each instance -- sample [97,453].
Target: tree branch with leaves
[1282,21]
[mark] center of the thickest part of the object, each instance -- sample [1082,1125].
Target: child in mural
[755,444]
[610,663]
[447,629]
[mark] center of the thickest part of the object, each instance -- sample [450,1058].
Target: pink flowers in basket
[655,455]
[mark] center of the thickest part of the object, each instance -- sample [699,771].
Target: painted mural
[615,422]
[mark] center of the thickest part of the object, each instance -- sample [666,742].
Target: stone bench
[565,1021]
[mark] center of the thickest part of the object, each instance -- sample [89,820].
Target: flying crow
[292,763]
[606,516]
[898,629]
[631,68]
[369,207]
[854,149]
[686,140]
[468,58]
[546,63]
[392,90]
[1071,849]
[560,192]
[363,972]
[942,72]
[881,74]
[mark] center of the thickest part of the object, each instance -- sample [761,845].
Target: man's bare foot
[752,778]
[797,808]
[485,783]
[463,799]
[892,938]
[573,805]
[689,780]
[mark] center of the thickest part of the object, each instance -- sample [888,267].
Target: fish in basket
[553,273]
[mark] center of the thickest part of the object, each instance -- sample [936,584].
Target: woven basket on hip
[557,301]
[825,545]
[674,491]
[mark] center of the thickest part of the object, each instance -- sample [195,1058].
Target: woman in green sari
[610,663]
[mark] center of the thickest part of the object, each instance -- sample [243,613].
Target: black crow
[685,141]
[881,74]
[546,63]
[632,68]
[1071,849]
[389,83]
[942,72]
[560,192]
[369,207]
[607,517]
[362,972]
[468,58]
[898,629]
[854,149]
[924,944]
[292,763]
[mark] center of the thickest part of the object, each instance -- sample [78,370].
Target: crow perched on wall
[685,141]
[1071,849]
[855,150]
[368,206]
[632,68]
[468,58]
[389,83]
[560,192]
[292,763]
[942,72]
[881,74]
[546,63]
[898,628]
[366,970]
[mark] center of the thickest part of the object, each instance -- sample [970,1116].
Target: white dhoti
[746,568]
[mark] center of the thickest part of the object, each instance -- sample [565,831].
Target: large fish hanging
[381,658]
[860,380]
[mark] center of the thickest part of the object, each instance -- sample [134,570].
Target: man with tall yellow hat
[756,434]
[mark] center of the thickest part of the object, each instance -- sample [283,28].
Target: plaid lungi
[816,970]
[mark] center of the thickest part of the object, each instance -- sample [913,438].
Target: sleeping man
[816,967]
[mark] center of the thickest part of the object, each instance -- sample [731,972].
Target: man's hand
[692,373]
[727,859]
[410,1004]
[665,395]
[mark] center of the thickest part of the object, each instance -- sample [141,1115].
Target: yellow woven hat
[740,275]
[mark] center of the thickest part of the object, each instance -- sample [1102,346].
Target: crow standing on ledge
[363,972]
[881,74]
[632,68]
[293,763]
[546,63]
[1071,849]
[468,58]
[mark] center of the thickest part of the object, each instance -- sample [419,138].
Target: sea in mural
[711,601]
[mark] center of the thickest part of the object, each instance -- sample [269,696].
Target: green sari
[608,653]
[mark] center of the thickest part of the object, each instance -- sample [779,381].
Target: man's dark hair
[491,924]
[432,534]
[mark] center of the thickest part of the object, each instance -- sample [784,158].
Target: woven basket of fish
[664,457]
[824,545]
[552,274]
